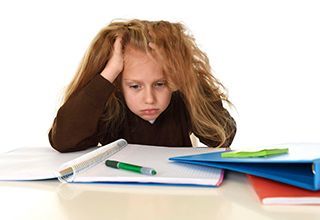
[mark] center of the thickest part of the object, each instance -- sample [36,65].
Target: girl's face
[144,88]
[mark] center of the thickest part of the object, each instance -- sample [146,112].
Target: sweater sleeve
[76,124]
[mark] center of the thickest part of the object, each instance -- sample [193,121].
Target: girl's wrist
[110,75]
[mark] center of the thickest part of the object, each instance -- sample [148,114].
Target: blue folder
[300,167]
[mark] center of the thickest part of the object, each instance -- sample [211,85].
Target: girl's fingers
[153,46]
[118,45]
[157,50]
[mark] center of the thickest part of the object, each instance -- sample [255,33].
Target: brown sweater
[78,123]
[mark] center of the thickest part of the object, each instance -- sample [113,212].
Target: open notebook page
[155,157]
[34,163]
[43,163]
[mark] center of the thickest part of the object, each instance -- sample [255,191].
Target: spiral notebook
[88,166]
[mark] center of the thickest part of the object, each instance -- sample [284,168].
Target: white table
[234,199]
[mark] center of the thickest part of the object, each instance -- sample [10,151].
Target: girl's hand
[115,63]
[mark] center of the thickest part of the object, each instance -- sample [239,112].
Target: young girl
[146,82]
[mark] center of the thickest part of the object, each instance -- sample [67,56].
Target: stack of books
[292,177]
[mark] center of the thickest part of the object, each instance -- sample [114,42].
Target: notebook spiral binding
[68,172]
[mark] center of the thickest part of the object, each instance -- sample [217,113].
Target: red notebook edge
[271,192]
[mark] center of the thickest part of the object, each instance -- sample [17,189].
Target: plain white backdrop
[266,53]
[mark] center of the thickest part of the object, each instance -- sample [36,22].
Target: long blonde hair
[185,66]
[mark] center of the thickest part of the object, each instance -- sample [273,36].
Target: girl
[146,82]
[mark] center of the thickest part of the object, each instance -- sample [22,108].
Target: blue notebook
[300,167]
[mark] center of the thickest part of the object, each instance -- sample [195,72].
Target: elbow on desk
[57,145]
[65,144]
[61,144]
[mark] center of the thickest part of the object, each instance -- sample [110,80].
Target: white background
[266,53]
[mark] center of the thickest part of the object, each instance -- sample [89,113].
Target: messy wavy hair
[186,69]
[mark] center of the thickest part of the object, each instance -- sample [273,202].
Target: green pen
[130,167]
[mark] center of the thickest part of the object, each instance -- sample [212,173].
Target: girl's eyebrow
[132,80]
[139,81]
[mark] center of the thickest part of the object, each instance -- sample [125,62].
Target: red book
[276,193]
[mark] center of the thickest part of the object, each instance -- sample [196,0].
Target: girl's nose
[149,96]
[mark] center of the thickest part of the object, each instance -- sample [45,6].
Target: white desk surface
[234,199]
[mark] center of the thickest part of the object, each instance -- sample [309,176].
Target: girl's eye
[160,84]
[135,86]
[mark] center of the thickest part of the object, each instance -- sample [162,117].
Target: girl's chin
[146,118]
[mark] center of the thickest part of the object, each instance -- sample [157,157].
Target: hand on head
[115,63]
